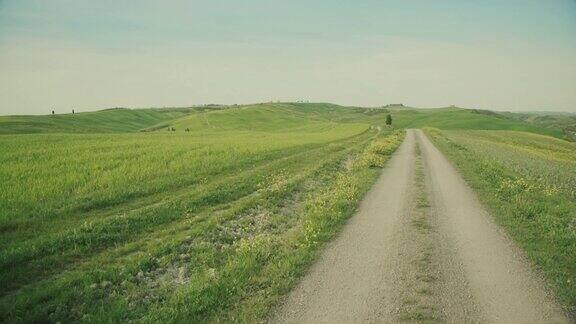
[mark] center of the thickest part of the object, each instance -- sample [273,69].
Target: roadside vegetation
[214,223]
[529,183]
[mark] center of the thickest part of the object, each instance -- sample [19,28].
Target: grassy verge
[527,181]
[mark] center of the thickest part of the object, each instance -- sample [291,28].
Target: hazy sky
[87,55]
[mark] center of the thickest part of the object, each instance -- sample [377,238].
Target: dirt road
[420,248]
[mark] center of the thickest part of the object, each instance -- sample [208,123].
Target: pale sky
[88,55]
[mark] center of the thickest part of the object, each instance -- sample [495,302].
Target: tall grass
[214,223]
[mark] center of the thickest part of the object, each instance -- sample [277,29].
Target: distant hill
[282,117]
[117,120]
[460,118]
[278,117]
[566,122]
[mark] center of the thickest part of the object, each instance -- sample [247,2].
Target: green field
[195,214]
[135,226]
[528,181]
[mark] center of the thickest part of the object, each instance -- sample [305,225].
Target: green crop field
[529,183]
[136,226]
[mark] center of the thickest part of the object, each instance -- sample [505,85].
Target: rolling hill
[116,120]
[564,121]
[460,118]
[279,117]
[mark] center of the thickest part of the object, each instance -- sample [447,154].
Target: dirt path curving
[420,249]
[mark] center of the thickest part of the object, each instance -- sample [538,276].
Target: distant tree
[389,120]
